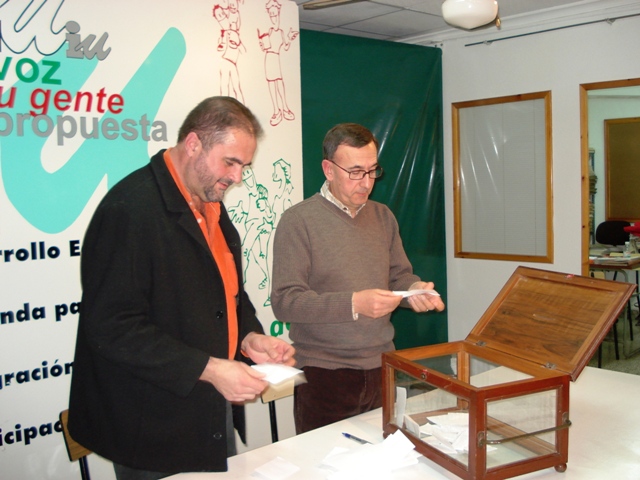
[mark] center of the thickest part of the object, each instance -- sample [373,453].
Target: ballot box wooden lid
[553,319]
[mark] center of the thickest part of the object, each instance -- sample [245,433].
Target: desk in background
[604,440]
[604,260]
[615,266]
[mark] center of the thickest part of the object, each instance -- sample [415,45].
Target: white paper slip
[276,372]
[372,461]
[276,469]
[410,293]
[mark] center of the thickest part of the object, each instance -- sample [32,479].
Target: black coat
[153,311]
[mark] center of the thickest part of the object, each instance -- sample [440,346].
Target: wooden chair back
[74,449]
[269,396]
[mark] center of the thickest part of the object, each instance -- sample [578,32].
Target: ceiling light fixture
[469,14]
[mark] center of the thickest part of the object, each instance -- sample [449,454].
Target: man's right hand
[375,303]
[236,381]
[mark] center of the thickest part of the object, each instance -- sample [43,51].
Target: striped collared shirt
[326,193]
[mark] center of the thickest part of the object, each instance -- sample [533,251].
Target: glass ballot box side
[496,404]
[478,418]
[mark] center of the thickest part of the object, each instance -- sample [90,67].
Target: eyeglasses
[360,174]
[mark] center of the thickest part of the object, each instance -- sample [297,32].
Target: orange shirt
[210,226]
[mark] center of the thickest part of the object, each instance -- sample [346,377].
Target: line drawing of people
[231,45]
[234,15]
[257,220]
[259,225]
[237,213]
[282,177]
[220,13]
[257,215]
[271,42]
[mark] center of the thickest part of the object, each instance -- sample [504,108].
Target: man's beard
[213,195]
[209,182]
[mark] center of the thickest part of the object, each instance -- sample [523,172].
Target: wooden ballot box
[496,405]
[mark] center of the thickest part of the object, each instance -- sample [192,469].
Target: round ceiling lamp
[469,14]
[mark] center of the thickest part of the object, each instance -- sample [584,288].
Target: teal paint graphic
[114,144]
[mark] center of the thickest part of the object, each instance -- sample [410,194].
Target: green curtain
[395,90]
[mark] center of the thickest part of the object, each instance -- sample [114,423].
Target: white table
[604,439]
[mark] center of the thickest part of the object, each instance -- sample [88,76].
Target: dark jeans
[333,395]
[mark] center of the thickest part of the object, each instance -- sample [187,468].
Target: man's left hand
[425,302]
[267,349]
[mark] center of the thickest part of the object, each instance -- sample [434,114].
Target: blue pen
[353,437]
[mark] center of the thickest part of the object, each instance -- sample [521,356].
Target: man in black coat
[166,331]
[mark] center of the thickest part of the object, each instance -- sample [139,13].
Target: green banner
[395,90]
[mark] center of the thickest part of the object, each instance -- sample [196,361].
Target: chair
[270,395]
[611,232]
[74,449]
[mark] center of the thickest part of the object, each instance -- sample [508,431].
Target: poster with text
[89,90]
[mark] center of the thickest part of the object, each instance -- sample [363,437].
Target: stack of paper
[450,432]
[616,260]
[371,461]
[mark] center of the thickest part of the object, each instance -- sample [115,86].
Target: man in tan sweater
[338,263]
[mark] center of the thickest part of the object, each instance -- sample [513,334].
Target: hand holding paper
[278,373]
[411,293]
[375,302]
[422,297]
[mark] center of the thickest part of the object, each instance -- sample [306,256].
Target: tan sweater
[320,257]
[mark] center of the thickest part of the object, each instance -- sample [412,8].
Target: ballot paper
[276,469]
[410,293]
[451,432]
[448,433]
[278,373]
[371,461]
[401,404]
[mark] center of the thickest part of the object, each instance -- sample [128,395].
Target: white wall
[162,59]
[559,61]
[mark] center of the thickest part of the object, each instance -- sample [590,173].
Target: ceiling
[399,20]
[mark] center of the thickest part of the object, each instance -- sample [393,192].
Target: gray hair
[213,117]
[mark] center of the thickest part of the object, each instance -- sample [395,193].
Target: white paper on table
[276,469]
[372,461]
[277,373]
[410,293]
